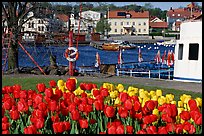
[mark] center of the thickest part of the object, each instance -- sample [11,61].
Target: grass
[31,82]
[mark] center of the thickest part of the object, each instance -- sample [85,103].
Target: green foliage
[103,26]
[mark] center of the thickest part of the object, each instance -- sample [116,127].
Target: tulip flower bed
[65,108]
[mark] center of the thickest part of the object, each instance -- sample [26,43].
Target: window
[144,30]
[180,52]
[42,28]
[121,23]
[193,51]
[144,23]
[139,30]
[139,23]
[38,28]
[32,24]
[121,30]
[115,30]
[115,23]
[178,14]
[127,23]
[133,23]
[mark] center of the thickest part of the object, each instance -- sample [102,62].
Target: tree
[102,26]
[15,14]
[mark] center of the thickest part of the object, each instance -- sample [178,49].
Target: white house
[89,20]
[188,53]
[128,22]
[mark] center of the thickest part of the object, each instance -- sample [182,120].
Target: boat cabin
[188,53]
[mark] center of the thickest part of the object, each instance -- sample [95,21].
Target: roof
[182,13]
[123,13]
[62,17]
[158,24]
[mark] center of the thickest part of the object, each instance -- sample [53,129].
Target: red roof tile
[114,14]
[62,17]
[158,24]
[182,13]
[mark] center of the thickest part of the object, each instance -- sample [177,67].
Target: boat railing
[150,73]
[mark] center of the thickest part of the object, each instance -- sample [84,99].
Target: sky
[161,5]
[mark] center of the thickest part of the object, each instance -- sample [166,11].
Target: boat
[188,53]
[116,45]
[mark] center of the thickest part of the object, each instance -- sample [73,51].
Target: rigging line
[80,10]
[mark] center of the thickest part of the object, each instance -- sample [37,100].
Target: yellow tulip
[152,93]
[186,99]
[180,104]
[161,100]
[62,88]
[173,102]
[60,83]
[155,112]
[142,94]
[78,91]
[199,101]
[182,121]
[53,89]
[145,100]
[180,110]
[120,87]
[124,91]
[170,97]
[159,92]
[132,89]
[117,101]
[155,98]
[132,93]
[113,94]
[140,99]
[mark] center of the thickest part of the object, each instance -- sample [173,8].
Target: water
[87,55]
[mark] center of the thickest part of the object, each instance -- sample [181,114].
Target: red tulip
[65,111]
[93,121]
[185,115]
[42,106]
[150,105]
[88,86]
[197,117]
[192,129]
[138,116]
[41,87]
[67,126]
[52,105]
[179,129]
[83,123]
[30,130]
[38,98]
[71,84]
[83,94]
[123,96]
[123,112]
[129,129]
[59,127]
[96,92]
[128,104]
[94,86]
[39,123]
[84,100]
[192,104]
[98,105]
[120,129]
[109,111]
[5,126]
[102,132]
[49,92]
[7,105]
[137,106]
[5,132]
[31,94]
[162,130]
[16,93]
[88,108]
[82,107]
[151,130]
[112,129]
[14,114]
[104,92]
[55,118]
[90,101]
[166,118]
[174,112]
[82,86]
[4,119]
[22,106]
[186,125]
[117,122]
[77,100]
[141,132]
[75,115]
[23,94]
[52,83]
[170,127]
[72,107]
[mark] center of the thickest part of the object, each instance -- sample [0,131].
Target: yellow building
[128,22]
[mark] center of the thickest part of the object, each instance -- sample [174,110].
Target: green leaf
[73,128]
